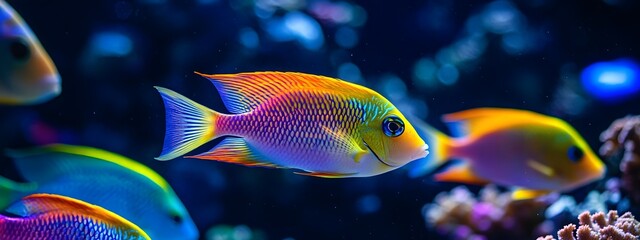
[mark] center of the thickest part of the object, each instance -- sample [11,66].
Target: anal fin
[235,150]
[462,173]
[525,194]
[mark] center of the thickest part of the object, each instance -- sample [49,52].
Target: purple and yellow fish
[55,217]
[324,126]
[535,153]
[27,73]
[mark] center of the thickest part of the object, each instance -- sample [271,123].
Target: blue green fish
[112,181]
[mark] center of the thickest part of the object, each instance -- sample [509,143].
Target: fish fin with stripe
[235,150]
[243,92]
[42,203]
[188,124]
[478,121]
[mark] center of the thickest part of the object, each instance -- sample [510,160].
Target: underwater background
[576,60]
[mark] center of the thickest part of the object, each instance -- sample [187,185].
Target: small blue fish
[112,181]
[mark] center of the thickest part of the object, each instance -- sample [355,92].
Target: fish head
[27,73]
[563,157]
[393,140]
[172,221]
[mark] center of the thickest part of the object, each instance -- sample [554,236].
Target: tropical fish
[27,74]
[535,153]
[324,126]
[112,181]
[47,216]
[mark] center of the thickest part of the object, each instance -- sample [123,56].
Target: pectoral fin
[357,150]
[526,194]
[461,173]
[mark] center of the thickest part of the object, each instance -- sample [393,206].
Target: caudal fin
[439,145]
[188,124]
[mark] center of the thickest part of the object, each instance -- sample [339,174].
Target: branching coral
[492,215]
[601,226]
[624,134]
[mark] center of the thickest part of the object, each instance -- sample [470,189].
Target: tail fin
[11,191]
[439,145]
[188,124]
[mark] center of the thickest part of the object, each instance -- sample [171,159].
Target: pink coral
[600,227]
[491,215]
[624,135]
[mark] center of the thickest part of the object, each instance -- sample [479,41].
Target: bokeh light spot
[613,80]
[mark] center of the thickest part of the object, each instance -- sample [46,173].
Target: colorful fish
[27,74]
[324,126]
[112,181]
[55,217]
[533,152]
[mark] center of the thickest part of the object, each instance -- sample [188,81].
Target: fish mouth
[424,152]
[374,154]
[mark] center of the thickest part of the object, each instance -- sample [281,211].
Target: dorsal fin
[42,203]
[41,163]
[243,92]
[478,121]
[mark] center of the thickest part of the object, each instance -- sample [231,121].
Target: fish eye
[575,154]
[176,218]
[393,126]
[19,49]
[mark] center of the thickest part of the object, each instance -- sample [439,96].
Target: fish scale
[314,113]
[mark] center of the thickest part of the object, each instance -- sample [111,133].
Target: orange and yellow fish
[324,126]
[48,216]
[27,73]
[535,153]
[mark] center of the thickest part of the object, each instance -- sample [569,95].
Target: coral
[600,226]
[624,135]
[492,215]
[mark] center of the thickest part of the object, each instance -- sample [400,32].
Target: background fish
[533,152]
[46,216]
[27,73]
[324,126]
[112,181]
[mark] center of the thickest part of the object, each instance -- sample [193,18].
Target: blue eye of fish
[393,126]
[575,154]
[19,49]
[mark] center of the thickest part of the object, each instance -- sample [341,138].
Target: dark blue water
[428,57]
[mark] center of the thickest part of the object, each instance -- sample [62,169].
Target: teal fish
[112,181]
[55,217]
